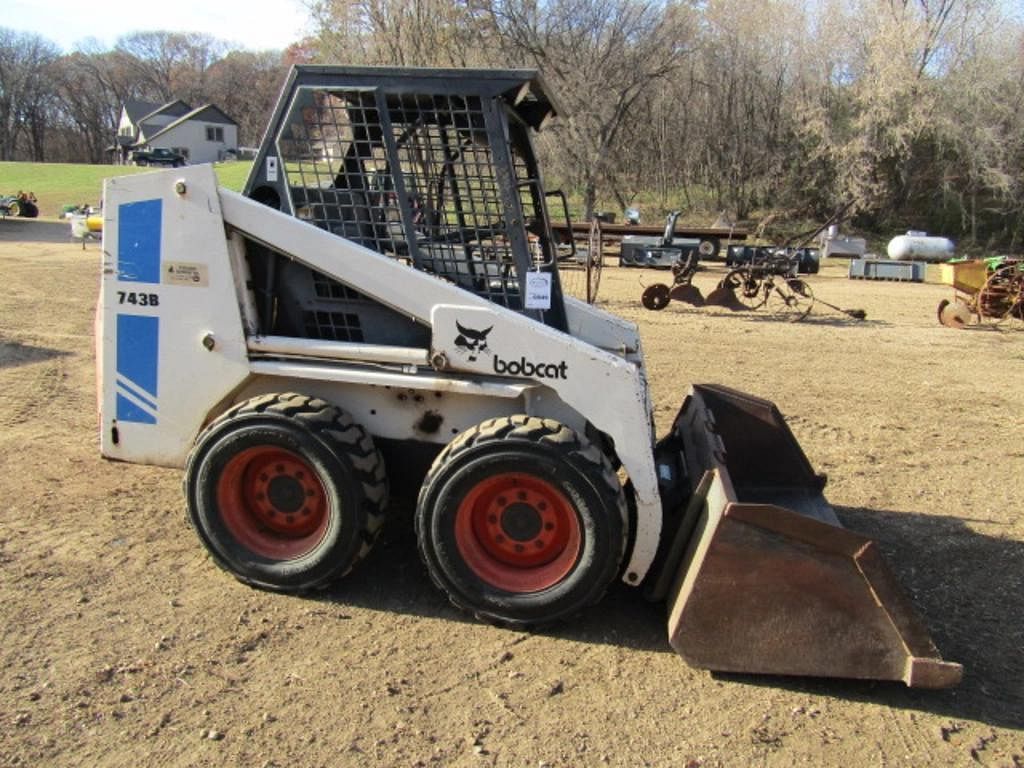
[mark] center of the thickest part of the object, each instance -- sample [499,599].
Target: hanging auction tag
[538,290]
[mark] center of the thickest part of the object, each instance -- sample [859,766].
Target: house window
[214,133]
[127,130]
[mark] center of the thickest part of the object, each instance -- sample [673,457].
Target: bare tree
[171,65]
[602,57]
[738,99]
[906,111]
[979,130]
[90,86]
[245,85]
[25,97]
[883,132]
[398,32]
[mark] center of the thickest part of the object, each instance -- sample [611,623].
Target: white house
[202,135]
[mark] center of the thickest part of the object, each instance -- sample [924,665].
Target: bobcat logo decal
[474,342]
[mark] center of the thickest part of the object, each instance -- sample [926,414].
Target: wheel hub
[285,493]
[273,502]
[518,532]
[521,522]
[523,526]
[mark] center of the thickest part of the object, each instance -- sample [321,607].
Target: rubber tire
[342,455]
[556,454]
[14,208]
[656,297]
[709,248]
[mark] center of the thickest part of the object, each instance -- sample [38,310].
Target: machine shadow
[393,578]
[831,320]
[968,588]
[14,353]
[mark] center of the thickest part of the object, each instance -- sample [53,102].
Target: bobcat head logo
[474,342]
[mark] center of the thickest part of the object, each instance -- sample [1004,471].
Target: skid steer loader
[387,288]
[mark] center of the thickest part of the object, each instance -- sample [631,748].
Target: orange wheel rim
[272,502]
[518,533]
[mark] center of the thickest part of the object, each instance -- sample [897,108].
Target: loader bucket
[761,576]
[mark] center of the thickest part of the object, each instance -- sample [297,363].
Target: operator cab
[435,168]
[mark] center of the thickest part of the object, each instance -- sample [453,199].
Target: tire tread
[323,420]
[528,429]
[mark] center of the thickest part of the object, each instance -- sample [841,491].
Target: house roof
[138,109]
[211,114]
[175,108]
[207,113]
[150,129]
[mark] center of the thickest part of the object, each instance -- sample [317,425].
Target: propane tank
[920,247]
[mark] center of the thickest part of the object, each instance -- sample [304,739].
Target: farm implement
[984,291]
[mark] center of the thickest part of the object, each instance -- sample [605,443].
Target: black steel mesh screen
[330,153]
[412,177]
[334,326]
[325,288]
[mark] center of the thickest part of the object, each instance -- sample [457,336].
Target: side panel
[604,330]
[166,288]
[409,409]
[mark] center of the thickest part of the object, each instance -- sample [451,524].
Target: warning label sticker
[186,273]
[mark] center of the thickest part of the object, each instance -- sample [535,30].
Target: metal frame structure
[436,168]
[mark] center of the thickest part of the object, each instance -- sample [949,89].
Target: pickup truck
[158,156]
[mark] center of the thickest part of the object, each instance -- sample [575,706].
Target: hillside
[60,184]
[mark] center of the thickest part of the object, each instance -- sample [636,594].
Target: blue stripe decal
[129,411]
[138,350]
[126,387]
[138,241]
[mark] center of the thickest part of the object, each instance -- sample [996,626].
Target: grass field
[59,184]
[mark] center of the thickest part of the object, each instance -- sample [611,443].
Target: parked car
[158,156]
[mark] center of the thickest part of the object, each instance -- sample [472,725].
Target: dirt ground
[123,645]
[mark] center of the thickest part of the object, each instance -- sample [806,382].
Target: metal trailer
[709,239]
[661,251]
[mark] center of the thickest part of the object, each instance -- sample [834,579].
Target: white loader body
[176,337]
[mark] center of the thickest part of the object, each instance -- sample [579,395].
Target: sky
[251,24]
